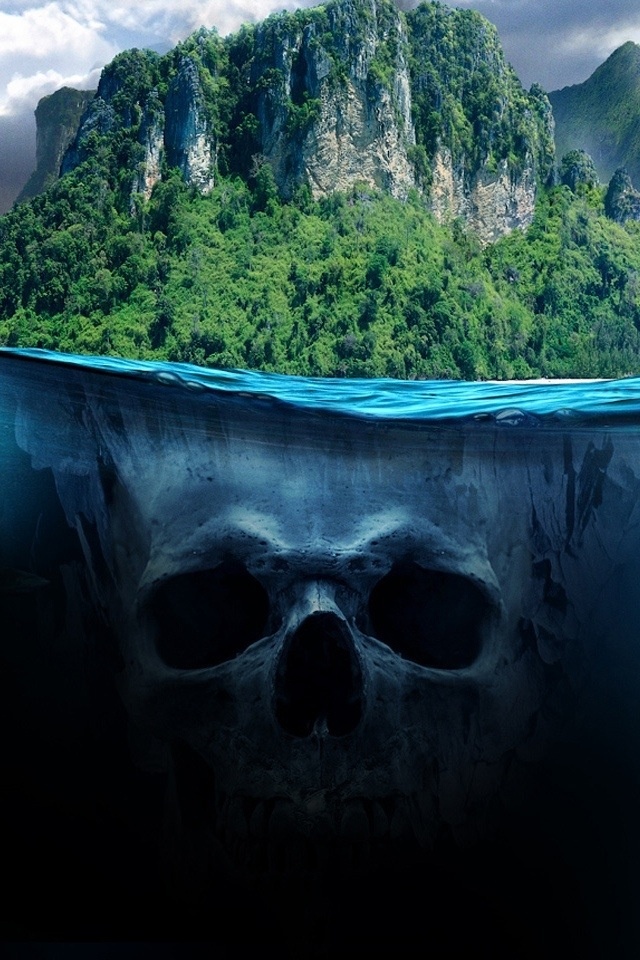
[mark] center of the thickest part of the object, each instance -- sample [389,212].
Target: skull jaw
[428,763]
[320,892]
[317,816]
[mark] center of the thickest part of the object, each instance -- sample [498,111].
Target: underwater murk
[321,665]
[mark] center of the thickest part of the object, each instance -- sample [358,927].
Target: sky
[47,44]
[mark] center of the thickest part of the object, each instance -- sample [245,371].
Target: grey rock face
[491,202]
[622,201]
[57,119]
[153,140]
[358,126]
[188,140]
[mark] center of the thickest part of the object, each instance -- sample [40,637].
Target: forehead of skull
[273,501]
[265,462]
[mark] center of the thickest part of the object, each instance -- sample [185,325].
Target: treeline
[353,285]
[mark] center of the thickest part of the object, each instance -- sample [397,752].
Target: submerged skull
[342,629]
[353,637]
[332,686]
[335,626]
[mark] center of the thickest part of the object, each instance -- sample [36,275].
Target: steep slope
[602,115]
[351,92]
[196,220]
[482,140]
[57,119]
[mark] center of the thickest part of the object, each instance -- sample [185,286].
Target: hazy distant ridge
[602,115]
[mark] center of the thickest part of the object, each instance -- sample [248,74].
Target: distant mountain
[602,115]
[57,119]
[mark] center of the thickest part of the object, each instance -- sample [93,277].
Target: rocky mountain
[622,201]
[354,91]
[331,192]
[602,115]
[57,119]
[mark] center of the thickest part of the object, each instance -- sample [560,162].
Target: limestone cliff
[57,118]
[189,143]
[328,115]
[492,201]
[484,143]
[352,92]
[358,92]
[156,120]
[152,137]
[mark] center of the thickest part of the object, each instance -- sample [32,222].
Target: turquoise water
[503,401]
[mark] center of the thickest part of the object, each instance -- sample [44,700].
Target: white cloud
[40,41]
[43,32]
[44,47]
[63,41]
[598,41]
[229,16]
[172,20]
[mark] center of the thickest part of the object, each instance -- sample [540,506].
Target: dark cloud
[559,42]
[17,156]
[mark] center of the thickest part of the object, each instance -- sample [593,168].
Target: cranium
[352,636]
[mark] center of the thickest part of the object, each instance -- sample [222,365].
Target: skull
[351,636]
[315,618]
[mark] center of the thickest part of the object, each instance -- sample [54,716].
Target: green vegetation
[468,98]
[577,171]
[602,115]
[358,284]
[355,285]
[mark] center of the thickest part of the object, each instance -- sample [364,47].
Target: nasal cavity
[319,679]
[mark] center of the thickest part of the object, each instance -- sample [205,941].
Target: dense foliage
[468,98]
[356,285]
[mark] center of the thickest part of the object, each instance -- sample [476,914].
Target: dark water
[529,492]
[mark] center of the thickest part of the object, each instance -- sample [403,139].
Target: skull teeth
[277,820]
[281,821]
[354,823]
[237,822]
[379,820]
[297,857]
[258,820]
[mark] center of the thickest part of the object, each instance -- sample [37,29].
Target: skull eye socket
[431,617]
[206,617]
